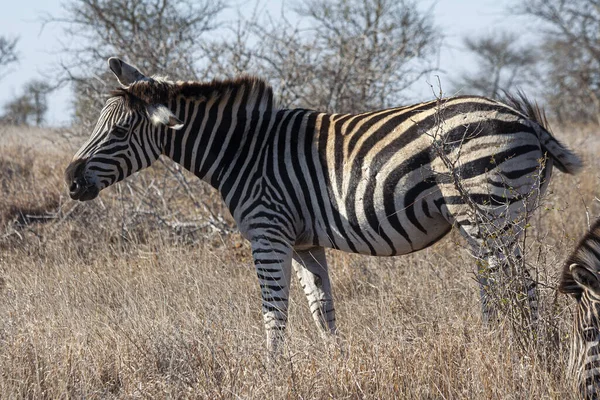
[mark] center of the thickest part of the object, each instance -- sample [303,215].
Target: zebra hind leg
[507,285]
[486,277]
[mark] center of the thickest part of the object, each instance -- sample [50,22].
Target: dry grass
[145,293]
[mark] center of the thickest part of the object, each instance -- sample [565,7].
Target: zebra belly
[364,238]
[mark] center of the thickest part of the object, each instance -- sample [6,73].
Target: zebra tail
[564,159]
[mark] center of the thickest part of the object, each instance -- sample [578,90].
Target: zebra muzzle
[79,187]
[82,191]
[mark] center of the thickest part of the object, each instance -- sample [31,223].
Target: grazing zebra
[296,181]
[581,280]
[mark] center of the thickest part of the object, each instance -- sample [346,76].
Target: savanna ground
[148,292]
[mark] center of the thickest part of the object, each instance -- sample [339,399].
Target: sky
[39,45]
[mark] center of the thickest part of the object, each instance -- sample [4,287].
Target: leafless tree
[340,55]
[8,53]
[502,64]
[572,50]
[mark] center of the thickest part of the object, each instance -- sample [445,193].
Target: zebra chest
[266,216]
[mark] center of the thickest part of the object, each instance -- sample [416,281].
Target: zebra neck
[277,144]
[214,135]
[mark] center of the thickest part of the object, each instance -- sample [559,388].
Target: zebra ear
[161,115]
[585,278]
[126,74]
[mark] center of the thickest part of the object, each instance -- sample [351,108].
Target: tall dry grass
[147,293]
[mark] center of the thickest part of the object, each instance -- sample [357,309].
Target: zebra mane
[158,90]
[586,254]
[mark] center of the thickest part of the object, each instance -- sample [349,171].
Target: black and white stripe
[297,181]
[581,280]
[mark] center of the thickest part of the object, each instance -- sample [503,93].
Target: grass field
[148,292]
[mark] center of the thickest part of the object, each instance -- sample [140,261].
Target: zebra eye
[120,132]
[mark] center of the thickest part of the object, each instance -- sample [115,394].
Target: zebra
[581,280]
[297,181]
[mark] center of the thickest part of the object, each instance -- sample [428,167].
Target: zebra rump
[564,159]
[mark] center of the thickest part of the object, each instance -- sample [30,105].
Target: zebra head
[126,138]
[581,280]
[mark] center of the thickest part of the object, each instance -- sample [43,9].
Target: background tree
[572,56]
[37,92]
[18,111]
[502,64]
[30,108]
[8,53]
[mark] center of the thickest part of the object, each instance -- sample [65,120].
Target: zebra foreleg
[311,269]
[273,261]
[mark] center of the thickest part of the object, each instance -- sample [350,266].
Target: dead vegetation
[149,292]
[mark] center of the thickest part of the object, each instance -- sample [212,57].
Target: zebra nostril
[73,187]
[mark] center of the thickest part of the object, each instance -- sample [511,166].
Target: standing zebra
[296,181]
[581,280]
